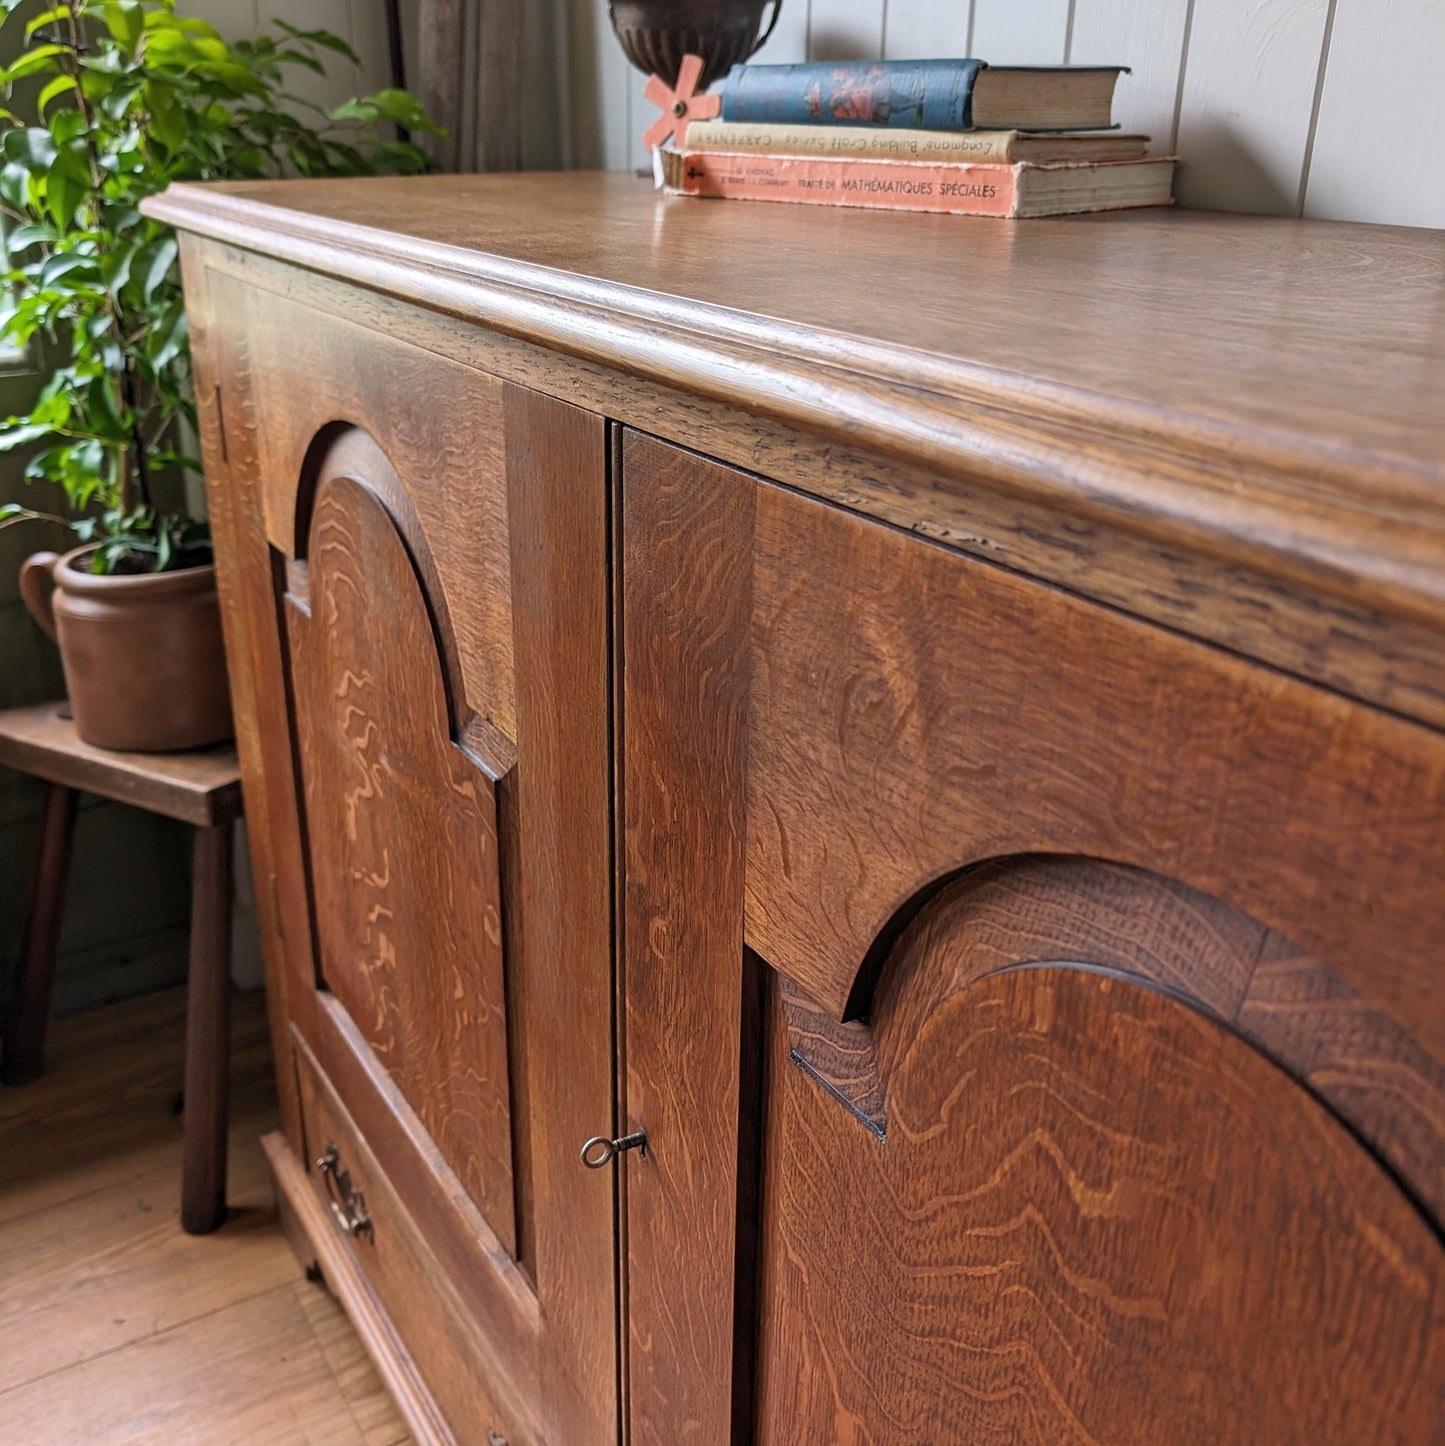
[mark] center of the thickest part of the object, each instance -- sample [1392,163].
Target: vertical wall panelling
[612,144]
[1020,32]
[1247,101]
[640,114]
[788,44]
[845,29]
[1381,129]
[1147,36]
[926,30]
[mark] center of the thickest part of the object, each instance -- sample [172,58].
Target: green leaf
[119,99]
[15,184]
[33,233]
[169,339]
[68,182]
[63,195]
[60,85]
[125,19]
[14,437]
[159,267]
[34,62]
[55,15]
[167,119]
[31,147]
[116,265]
[323,38]
[68,265]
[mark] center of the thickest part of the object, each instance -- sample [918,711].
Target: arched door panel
[404,850]
[1088,1210]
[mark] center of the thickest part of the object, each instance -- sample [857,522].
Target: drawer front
[1032,1013]
[415,577]
[463,1375]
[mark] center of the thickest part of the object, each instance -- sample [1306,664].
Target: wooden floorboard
[115,1326]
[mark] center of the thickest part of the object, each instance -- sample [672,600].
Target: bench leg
[208,1033]
[30,1012]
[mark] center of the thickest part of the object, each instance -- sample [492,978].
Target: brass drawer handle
[348,1204]
[600,1151]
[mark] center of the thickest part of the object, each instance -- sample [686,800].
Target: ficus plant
[109,102]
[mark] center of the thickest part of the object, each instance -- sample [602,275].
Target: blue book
[931,95]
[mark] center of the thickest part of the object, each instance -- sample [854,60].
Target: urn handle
[37,583]
[772,24]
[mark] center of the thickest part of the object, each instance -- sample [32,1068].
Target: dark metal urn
[656,34]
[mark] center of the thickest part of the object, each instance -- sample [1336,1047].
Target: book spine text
[889,185]
[874,143]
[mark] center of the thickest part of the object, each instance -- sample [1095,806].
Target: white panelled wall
[1329,108]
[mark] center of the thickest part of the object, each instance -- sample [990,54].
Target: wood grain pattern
[878,777]
[1358,1060]
[842,1058]
[1173,410]
[1369,1066]
[1363,653]
[402,826]
[857,704]
[444,482]
[255,652]
[103,1295]
[201,787]
[538,1287]
[558,511]
[208,1031]
[446,1377]
[685,606]
[1039,1253]
[1116,742]
[27,1016]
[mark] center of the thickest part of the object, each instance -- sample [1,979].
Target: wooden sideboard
[937,724]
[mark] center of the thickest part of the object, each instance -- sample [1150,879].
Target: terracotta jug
[144,663]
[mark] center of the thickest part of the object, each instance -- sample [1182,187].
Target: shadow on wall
[836,45]
[1221,171]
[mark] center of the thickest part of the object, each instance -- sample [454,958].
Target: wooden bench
[201,788]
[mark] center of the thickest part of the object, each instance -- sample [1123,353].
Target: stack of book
[927,135]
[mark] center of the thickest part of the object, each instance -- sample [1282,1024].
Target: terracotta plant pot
[144,665]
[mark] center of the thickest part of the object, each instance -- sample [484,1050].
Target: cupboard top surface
[1329,329]
[1256,389]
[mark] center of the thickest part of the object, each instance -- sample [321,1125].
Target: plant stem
[26,514]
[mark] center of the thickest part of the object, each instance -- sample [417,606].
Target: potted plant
[121,98]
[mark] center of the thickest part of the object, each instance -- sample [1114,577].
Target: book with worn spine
[1011,191]
[885,143]
[939,95]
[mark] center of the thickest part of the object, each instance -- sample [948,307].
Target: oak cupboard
[928,732]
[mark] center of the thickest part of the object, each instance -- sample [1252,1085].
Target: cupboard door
[1030,1012]
[424,557]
